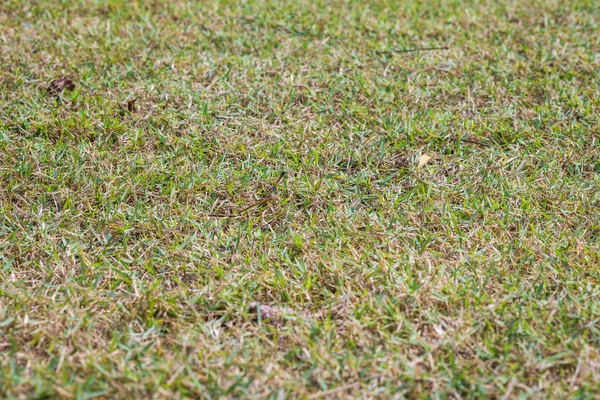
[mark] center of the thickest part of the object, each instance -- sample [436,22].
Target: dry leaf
[266,312]
[59,85]
[423,160]
[399,161]
[131,105]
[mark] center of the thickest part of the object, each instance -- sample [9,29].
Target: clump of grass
[149,249]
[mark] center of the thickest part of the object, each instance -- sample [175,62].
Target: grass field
[300,199]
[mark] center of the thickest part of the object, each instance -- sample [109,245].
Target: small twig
[474,142]
[258,203]
[400,51]
[238,213]
[574,377]
[274,189]
[509,389]
[267,199]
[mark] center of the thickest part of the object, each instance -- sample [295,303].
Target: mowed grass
[156,253]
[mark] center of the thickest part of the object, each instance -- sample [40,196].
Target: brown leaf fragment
[59,85]
[400,162]
[131,105]
[266,312]
[424,159]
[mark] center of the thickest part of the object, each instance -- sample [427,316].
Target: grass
[155,254]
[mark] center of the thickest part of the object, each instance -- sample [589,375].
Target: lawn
[299,199]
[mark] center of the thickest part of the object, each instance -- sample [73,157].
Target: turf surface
[273,199]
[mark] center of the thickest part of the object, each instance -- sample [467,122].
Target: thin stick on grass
[413,50]
[264,200]
[472,141]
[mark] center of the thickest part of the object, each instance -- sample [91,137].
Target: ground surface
[152,252]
